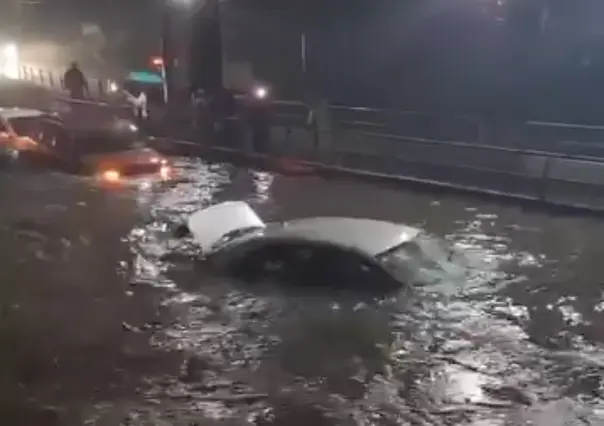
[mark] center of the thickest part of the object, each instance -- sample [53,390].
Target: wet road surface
[105,321]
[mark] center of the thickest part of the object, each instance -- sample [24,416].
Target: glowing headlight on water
[111,176]
[165,172]
[9,61]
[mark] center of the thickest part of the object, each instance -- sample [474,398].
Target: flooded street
[105,320]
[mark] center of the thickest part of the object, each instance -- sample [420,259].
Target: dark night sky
[362,43]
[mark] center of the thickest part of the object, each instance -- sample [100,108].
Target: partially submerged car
[112,154]
[15,134]
[326,251]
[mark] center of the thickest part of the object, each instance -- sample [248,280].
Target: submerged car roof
[10,113]
[210,225]
[369,236]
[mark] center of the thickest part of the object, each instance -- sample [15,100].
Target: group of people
[214,114]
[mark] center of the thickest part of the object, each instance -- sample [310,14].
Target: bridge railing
[412,125]
[521,171]
[554,178]
[53,79]
[555,137]
[557,163]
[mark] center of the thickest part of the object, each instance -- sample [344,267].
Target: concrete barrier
[512,172]
[294,141]
[576,183]
[564,138]
[293,129]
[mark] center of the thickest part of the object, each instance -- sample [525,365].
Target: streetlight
[9,60]
[260,92]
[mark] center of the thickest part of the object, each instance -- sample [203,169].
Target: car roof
[11,113]
[371,237]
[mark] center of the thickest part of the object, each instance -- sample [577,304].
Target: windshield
[425,260]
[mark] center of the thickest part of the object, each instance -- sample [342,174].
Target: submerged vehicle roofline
[211,225]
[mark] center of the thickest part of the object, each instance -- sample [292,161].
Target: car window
[310,264]
[27,126]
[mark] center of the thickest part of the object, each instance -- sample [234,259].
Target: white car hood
[209,226]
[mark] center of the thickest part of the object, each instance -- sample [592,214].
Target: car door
[348,269]
[261,262]
[57,141]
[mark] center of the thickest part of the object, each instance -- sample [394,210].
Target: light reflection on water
[469,351]
[518,338]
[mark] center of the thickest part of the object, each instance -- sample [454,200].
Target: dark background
[518,57]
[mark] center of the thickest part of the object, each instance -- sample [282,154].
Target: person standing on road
[75,82]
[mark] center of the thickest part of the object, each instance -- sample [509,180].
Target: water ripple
[509,333]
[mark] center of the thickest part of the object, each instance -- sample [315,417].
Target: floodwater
[104,320]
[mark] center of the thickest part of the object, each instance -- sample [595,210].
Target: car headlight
[110,175]
[165,172]
[260,92]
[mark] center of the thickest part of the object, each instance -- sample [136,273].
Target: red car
[114,155]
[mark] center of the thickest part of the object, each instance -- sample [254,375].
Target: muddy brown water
[105,321]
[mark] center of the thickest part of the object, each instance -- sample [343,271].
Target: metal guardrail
[552,179]
[563,138]
[414,124]
[80,114]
